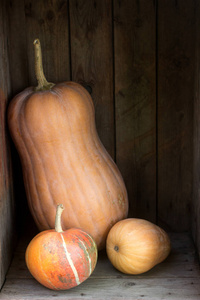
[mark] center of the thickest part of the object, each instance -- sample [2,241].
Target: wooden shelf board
[176,278]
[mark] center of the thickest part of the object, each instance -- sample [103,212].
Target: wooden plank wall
[135,102]
[92,60]
[136,58]
[175,92]
[196,124]
[7,205]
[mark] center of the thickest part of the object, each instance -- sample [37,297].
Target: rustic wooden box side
[196,138]
[7,204]
[175,94]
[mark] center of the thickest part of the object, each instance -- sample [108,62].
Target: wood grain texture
[19,80]
[196,145]
[176,278]
[92,60]
[182,262]
[7,206]
[101,289]
[17,46]
[135,102]
[175,111]
[48,21]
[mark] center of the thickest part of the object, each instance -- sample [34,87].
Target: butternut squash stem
[59,211]
[43,84]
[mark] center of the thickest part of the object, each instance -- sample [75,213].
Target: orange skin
[53,128]
[134,246]
[61,260]
[62,158]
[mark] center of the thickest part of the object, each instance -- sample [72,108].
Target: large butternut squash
[63,160]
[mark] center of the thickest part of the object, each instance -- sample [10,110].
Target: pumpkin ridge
[87,250]
[68,256]
[102,177]
[75,235]
[105,213]
[65,190]
[28,159]
[80,189]
[50,193]
[76,88]
[83,169]
[88,259]
[88,247]
[17,102]
[41,264]
[116,212]
[89,241]
[73,168]
[91,157]
[15,106]
[44,173]
[107,158]
[62,180]
[72,201]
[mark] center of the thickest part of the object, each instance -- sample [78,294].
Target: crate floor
[178,277]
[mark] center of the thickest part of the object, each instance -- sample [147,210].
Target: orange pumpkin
[53,128]
[61,259]
[134,246]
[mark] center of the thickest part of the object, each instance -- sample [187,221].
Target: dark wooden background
[196,140]
[137,59]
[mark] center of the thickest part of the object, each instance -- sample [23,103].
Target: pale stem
[43,84]
[59,211]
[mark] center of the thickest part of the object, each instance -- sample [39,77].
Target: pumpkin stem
[59,211]
[43,84]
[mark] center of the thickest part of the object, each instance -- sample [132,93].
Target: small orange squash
[61,259]
[53,128]
[134,246]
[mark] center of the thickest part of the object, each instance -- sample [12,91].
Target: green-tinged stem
[59,211]
[43,84]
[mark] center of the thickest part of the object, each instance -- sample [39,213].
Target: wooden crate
[139,59]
